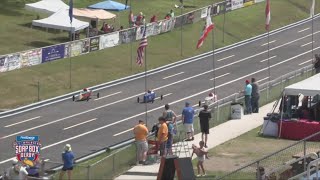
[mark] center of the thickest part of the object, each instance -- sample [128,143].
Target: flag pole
[70,74]
[130,40]
[145,82]
[213,63]
[312,39]
[181,25]
[224,19]
[268,64]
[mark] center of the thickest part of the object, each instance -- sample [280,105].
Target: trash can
[236,110]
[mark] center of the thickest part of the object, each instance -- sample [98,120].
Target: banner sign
[157,28]
[167,25]
[236,4]
[204,12]
[31,58]
[67,49]
[52,53]
[127,36]
[27,149]
[85,45]
[139,32]
[109,40]
[3,64]
[13,62]
[94,44]
[228,5]
[247,3]
[150,28]
[184,19]
[75,48]
[217,8]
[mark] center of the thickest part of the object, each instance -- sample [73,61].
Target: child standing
[202,154]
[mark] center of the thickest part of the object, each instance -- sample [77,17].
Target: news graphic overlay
[27,149]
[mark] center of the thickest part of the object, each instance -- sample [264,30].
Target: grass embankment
[20,86]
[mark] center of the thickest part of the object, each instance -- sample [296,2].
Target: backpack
[169,115]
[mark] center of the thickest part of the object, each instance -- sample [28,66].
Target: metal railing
[107,166]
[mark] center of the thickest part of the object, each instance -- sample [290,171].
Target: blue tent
[109,6]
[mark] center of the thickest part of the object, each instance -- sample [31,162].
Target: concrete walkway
[218,135]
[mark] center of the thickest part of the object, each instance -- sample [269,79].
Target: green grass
[113,63]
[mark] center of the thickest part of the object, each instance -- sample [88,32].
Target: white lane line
[79,124]
[22,121]
[173,75]
[306,44]
[269,43]
[134,96]
[220,76]
[303,30]
[174,102]
[123,132]
[225,58]
[305,62]
[163,96]
[263,79]
[108,95]
[267,59]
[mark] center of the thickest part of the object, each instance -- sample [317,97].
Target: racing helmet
[210,94]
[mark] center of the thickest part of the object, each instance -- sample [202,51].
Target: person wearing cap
[67,158]
[204,117]
[187,120]
[247,97]
[141,132]
[162,135]
[16,171]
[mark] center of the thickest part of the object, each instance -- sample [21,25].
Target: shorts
[142,146]
[67,169]
[189,128]
[200,158]
[204,128]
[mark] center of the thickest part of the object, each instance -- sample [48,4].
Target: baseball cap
[14,161]
[67,147]
[247,81]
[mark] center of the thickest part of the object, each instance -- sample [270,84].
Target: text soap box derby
[148,96]
[85,95]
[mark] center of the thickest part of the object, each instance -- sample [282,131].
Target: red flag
[268,15]
[143,44]
[209,26]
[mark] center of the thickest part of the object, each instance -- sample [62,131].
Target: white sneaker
[198,175]
[204,174]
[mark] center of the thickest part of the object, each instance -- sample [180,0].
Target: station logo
[27,149]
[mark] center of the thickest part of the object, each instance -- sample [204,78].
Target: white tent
[307,87]
[47,6]
[61,20]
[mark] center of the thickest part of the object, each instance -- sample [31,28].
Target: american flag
[268,14]
[143,44]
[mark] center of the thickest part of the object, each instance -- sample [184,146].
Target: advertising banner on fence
[53,52]
[67,49]
[85,45]
[76,48]
[3,64]
[204,12]
[217,8]
[31,58]
[167,25]
[13,62]
[247,3]
[157,28]
[184,19]
[228,5]
[127,36]
[236,4]
[94,44]
[150,27]
[140,30]
[109,40]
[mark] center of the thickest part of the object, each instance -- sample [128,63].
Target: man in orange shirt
[162,135]
[141,132]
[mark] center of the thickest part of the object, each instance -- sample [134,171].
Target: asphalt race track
[90,126]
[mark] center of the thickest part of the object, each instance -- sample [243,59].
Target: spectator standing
[67,158]
[16,171]
[255,96]
[187,120]
[141,132]
[153,19]
[202,154]
[162,135]
[204,116]
[131,19]
[171,14]
[170,138]
[247,97]
[168,114]
[316,63]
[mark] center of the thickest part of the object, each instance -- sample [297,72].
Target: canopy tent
[47,6]
[93,13]
[109,6]
[307,87]
[61,20]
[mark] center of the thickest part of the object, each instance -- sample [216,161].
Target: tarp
[109,6]
[61,20]
[47,6]
[93,13]
[307,87]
